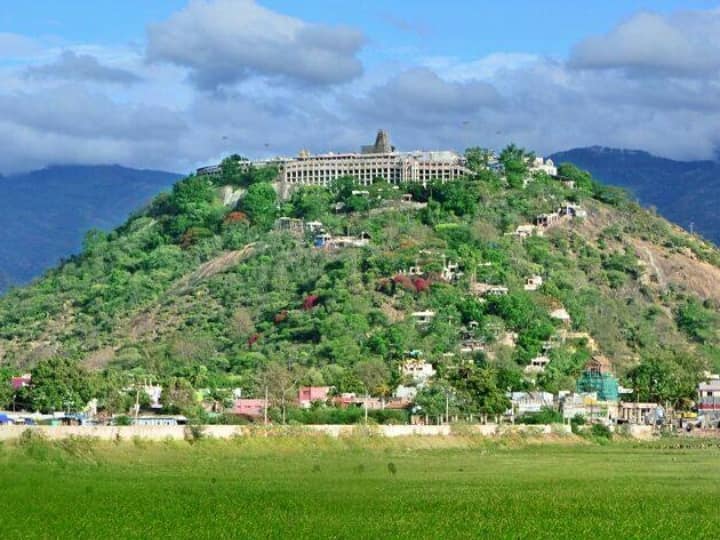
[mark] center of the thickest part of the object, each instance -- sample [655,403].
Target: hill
[44,214]
[685,192]
[200,295]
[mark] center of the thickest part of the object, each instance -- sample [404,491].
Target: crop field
[315,487]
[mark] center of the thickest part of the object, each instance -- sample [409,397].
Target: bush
[600,431]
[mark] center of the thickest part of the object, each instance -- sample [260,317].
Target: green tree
[374,375]
[178,396]
[260,204]
[59,384]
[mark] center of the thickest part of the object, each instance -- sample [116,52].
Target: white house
[561,314]
[417,369]
[533,283]
[423,317]
[531,402]
[537,365]
[543,165]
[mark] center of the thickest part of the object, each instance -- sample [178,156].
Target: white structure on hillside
[533,283]
[379,160]
[543,165]
[417,369]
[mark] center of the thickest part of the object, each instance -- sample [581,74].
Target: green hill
[200,295]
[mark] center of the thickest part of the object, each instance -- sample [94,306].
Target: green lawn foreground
[314,487]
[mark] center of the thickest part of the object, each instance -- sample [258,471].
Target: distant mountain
[44,214]
[686,192]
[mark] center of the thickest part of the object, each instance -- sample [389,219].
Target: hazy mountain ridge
[44,214]
[685,192]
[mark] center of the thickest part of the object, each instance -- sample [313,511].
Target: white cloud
[222,42]
[71,66]
[682,44]
[17,46]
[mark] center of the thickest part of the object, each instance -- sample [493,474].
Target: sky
[180,83]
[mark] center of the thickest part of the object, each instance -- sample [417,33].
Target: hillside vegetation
[198,294]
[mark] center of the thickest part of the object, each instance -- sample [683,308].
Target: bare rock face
[231,196]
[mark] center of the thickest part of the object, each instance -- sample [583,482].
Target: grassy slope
[316,488]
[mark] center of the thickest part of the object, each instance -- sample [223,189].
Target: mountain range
[685,192]
[45,214]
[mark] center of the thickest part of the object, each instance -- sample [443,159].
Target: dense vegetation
[202,296]
[311,487]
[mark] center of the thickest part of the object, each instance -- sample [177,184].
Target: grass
[314,487]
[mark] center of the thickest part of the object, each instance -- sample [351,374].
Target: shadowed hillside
[44,214]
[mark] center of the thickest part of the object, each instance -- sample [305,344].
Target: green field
[315,487]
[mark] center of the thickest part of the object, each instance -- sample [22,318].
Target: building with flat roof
[376,161]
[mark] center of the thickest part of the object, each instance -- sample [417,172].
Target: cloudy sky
[177,84]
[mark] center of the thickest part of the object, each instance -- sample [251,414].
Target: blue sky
[153,84]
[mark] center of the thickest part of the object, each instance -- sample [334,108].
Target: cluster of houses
[543,222]
[598,397]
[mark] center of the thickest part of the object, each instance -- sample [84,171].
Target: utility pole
[447,407]
[366,407]
[266,406]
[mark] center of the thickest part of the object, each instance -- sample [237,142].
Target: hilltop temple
[380,160]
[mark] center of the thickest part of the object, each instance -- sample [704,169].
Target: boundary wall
[161,433]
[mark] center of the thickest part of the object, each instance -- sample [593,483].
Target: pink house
[308,394]
[253,408]
[20,382]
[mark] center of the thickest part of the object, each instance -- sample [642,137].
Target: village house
[290,225]
[450,271]
[250,408]
[537,365]
[572,210]
[548,220]
[417,370]
[587,405]
[483,290]
[543,165]
[21,382]
[327,241]
[307,395]
[530,402]
[525,231]
[708,402]
[423,318]
[640,413]
[561,315]
[405,393]
[533,283]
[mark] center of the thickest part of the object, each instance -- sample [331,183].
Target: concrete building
[533,283]
[543,165]
[641,413]
[307,395]
[530,402]
[709,402]
[537,365]
[379,160]
[251,408]
[417,370]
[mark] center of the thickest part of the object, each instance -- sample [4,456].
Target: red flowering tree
[236,217]
[421,284]
[310,302]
